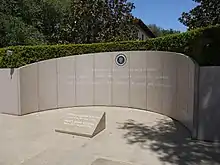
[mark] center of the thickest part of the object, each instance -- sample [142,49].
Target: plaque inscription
[82,123]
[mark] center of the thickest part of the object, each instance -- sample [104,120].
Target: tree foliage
[25,22]
[92,21]
[159,32]
[206,13]
[13,31]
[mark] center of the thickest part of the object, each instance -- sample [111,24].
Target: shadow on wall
[12,70]
[171,141]
[209,108]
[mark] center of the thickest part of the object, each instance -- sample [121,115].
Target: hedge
[203,45]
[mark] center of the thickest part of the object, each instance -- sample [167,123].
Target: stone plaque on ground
[102,161]
[82,123]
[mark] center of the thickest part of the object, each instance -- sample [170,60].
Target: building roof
[144,27]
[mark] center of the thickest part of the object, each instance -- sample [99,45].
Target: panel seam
[93,72]
[57,82]
[38,91]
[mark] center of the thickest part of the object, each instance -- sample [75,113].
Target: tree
[13,31]
[25,22]
[99,21]
[169,31]
[158,31]
[206,13]
[45,15]
[31,19]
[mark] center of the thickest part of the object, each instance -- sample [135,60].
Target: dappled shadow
[172,142]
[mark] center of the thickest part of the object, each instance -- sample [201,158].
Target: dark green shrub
[203,45]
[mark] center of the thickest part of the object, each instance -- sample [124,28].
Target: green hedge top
[203,45]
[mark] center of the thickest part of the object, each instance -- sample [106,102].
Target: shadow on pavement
[172,142]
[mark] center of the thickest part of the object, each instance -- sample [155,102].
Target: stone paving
[131,136]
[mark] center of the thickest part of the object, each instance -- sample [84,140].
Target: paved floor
[131,136]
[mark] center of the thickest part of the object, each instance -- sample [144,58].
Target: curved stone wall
[162,82]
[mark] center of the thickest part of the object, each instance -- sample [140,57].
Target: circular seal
[120,59]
